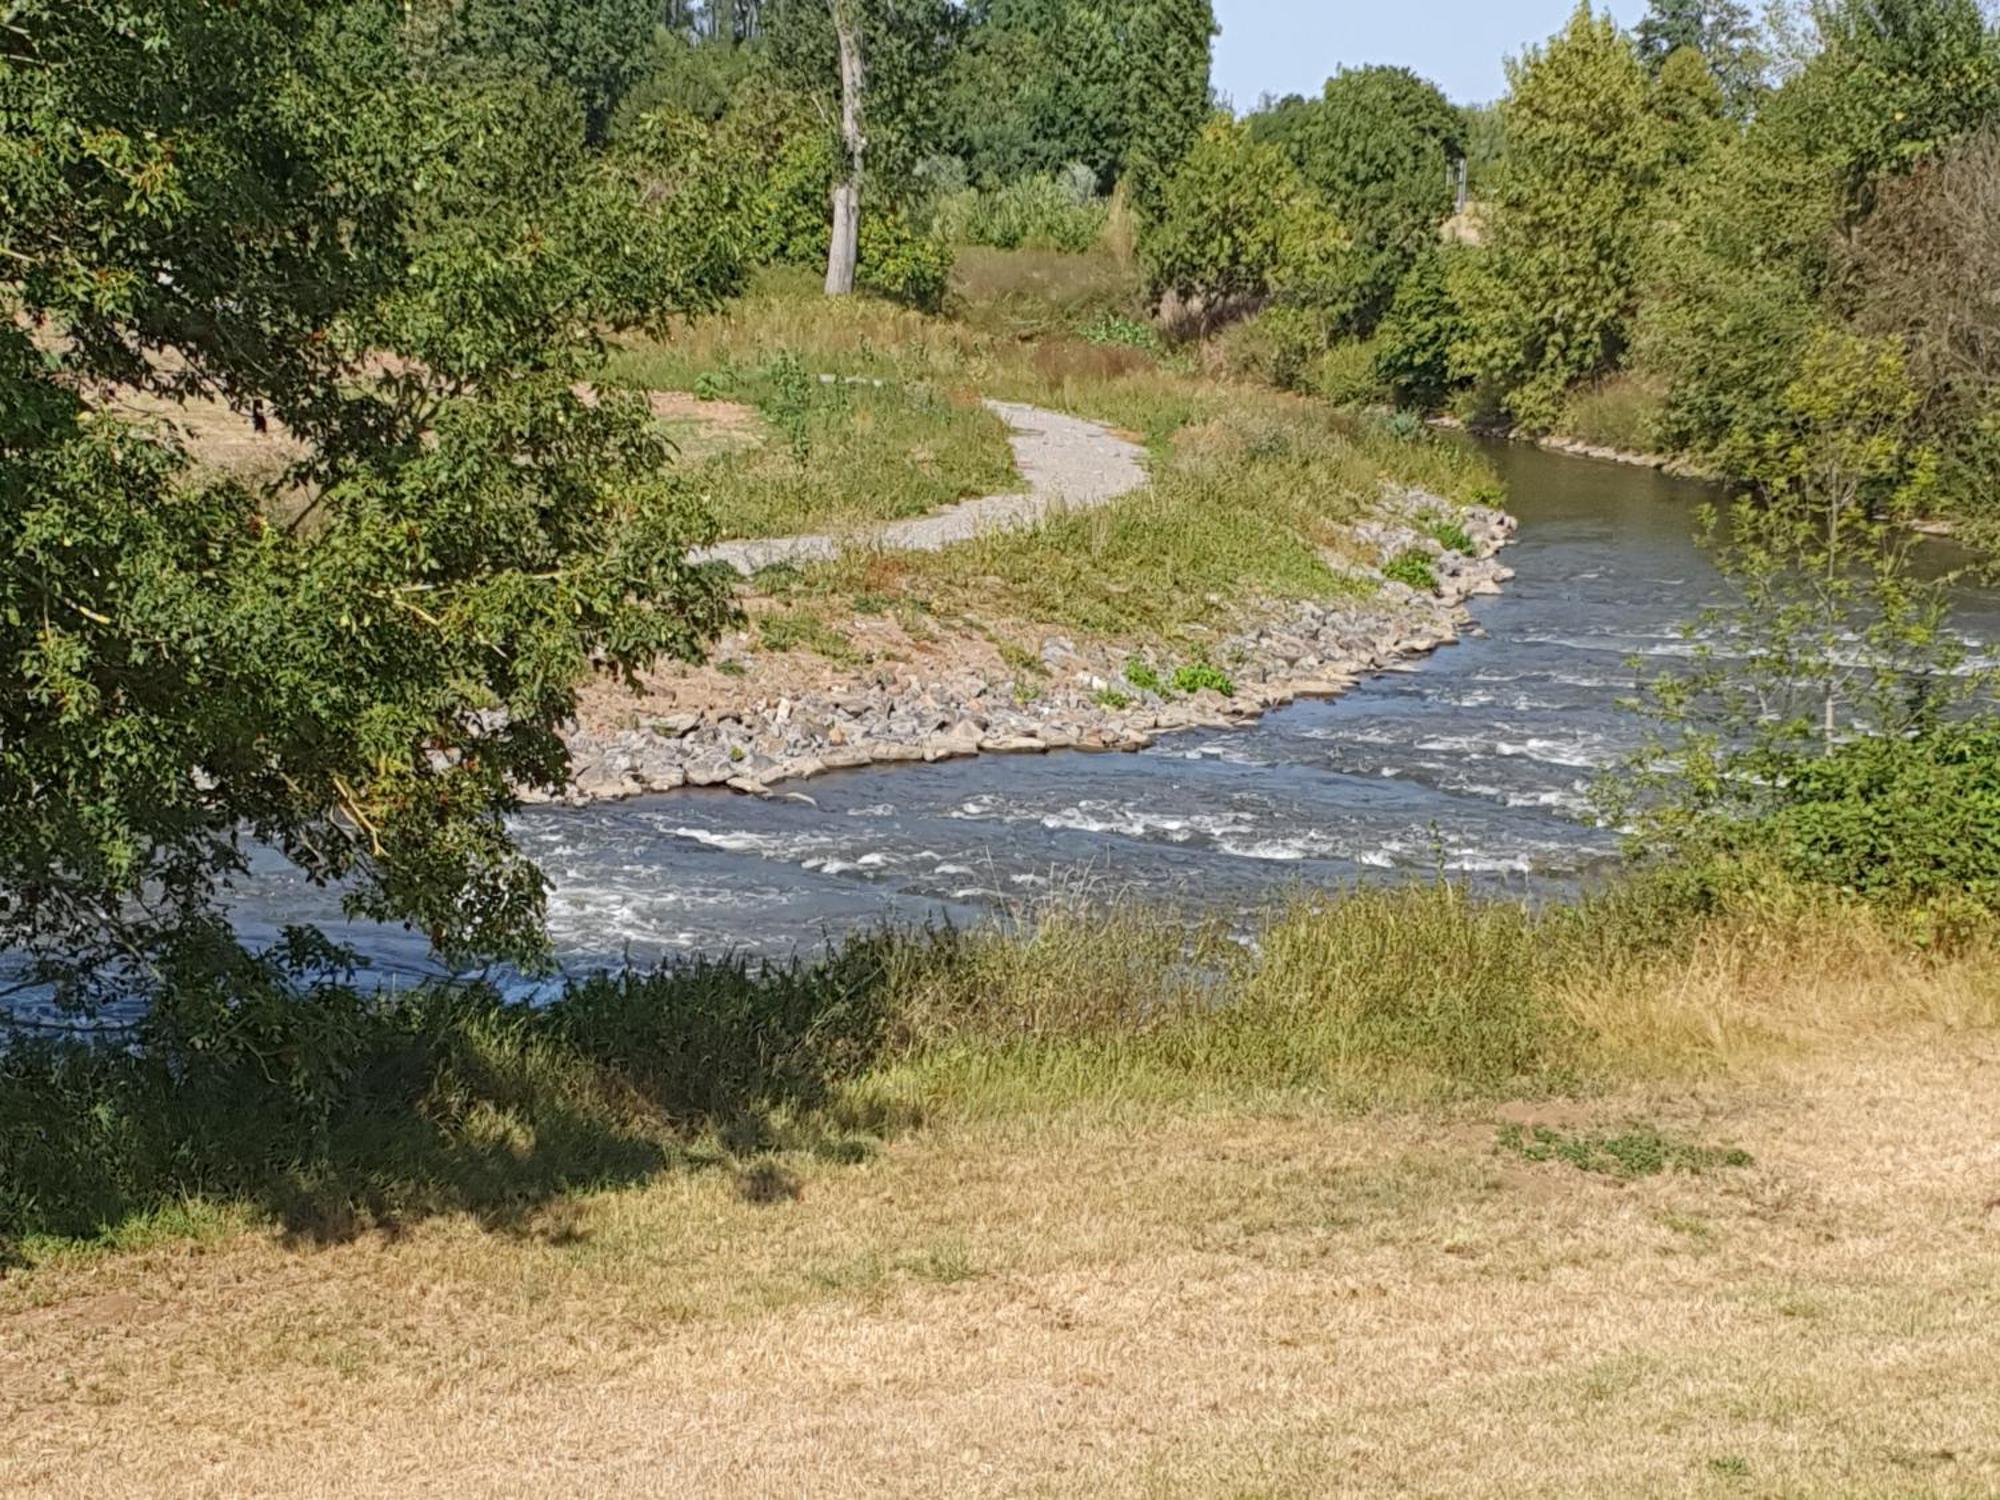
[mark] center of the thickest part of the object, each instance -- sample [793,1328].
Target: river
[1475,761]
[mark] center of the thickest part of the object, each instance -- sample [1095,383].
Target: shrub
[1904,820]
[901,264]
[1036,213]
[1412,566]
[1413,343]
[1142,676]
[1346,375]
[1280,345]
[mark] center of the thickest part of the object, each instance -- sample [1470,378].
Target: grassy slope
[1250,485]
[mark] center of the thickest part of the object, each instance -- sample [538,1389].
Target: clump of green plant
[1111,698]
[1194,676]
[1118,331]
[789,402]
[1412,566]
[712,385]
[1141,674]
[1448,532]
[1640,1150]
[801,630]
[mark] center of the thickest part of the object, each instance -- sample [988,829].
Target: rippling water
[1476,761]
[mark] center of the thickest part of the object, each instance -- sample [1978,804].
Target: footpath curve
[1066,462]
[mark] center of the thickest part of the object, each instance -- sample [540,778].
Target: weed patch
[1640,1150]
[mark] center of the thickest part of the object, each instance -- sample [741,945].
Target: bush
[901,264]
[1907,821]
[1413,343]
[1280,346]
[1346,375]
[1195,676]
[1448,534]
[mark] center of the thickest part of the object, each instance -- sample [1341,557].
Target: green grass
[1412,566]
[837,455]
[1447,533]
[1640,1150]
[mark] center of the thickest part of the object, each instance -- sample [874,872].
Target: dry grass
[1121,1289]
[1110,1302]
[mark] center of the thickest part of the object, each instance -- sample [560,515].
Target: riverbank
[754,720]
[1671,1203]
[1180,551]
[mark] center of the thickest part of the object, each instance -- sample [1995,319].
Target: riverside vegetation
[1670,1185]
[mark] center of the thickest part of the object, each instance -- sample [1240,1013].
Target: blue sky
[1291,46]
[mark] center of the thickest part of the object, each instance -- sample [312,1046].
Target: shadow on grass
[335,1113]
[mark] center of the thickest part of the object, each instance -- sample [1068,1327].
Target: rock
[675,726]
[1012,744]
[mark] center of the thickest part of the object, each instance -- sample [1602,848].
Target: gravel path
[1067,462]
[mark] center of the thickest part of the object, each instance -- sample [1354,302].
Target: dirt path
[1066,462]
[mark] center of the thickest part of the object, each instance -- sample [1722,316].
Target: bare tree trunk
[845,249]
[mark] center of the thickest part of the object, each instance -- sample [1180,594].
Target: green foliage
[1141,675]
[1836,693]
[592,50]
[1040,84]
[1907,821]
[1201,676]
[361,672]
[902,264]
[1348,374]
[1412,566]
[1721,33]
[1448,533]
[1414,341]
[1166,100]
[1036,213]
[1549,298]
[1376,146]
[1281,345]
[1892,82]
[1235,221]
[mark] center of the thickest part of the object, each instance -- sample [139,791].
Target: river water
[1475,760]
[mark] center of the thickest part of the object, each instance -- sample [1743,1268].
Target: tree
[1550,297]
[360,668]
[1236,222]
[1378,145]
[1721,32]
[1833,668]
[846,237]
[1167,98]
[1923,269]
[1893,83]
[1040,84]
[595,49]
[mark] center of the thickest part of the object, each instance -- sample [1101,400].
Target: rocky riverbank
[756,721]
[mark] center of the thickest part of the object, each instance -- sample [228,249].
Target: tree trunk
[845,249]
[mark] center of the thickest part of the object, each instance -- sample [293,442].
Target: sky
[1292,46]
